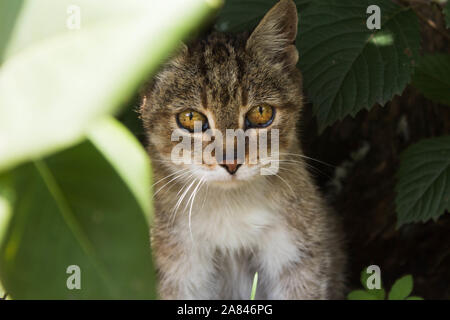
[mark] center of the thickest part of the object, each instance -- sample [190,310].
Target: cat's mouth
[226,175]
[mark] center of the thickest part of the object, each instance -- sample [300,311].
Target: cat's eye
[187,119]
[259,116]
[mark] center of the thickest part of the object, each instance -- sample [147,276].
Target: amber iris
[260,116]
[187,119]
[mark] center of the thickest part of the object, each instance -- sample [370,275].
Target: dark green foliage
[423,188]
[432,77]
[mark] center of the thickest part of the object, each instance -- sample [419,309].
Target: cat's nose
[231,167]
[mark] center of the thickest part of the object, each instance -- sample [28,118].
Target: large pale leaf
[432,77]
[348,67]
[56,82]
[241,15]
[423,187]
[80,207]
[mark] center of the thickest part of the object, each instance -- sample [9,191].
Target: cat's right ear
[273,39]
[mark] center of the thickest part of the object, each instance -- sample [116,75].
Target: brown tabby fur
[277,225]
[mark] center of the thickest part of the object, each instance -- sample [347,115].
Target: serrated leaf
[79,207]
[56,82]
[423,187]
[432,77]
[346,66]
[241,15]
[402,288]
[361,295]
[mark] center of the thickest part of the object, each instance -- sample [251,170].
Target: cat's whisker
[206,194]
[292,190]
[291,161]
[187,181]
[180,200]
[286,169]
[183,191]
[306,157]
[282,179]
[171,180]
[194,193]
[170,175]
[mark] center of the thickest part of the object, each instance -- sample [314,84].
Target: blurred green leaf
[447,14]
[378,293]
[346,66]
[423,187]
[130,119]
[111,139]
[9,12]
[414,298]
[402,288]
[80,207]
[432,77]
[361,295]
[254,286]
[242,15]
[56,83]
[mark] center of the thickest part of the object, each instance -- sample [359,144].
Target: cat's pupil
[191,115]
[260,109]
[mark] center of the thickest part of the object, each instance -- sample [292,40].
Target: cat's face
[228,82]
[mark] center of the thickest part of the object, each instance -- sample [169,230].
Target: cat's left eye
[260,116]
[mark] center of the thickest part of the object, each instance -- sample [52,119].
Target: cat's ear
[274,37]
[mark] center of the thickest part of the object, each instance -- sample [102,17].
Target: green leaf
[346,66]
[423,187]
[432,77]
[402,288]
[254,286]
[361,295]
[242,15]
[447,14]
[111,138]
[2,292]
[9,11]
[380,294]
[5,216]
[80,207]
[414,298]
[56,83]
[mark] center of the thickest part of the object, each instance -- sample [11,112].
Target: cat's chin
[228,184]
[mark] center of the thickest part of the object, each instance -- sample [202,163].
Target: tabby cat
[217,224]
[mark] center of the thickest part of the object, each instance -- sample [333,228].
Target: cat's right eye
[187,119]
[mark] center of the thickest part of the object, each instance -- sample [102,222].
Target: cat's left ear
[274,37]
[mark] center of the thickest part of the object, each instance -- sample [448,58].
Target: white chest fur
[254,227]
[231,227]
